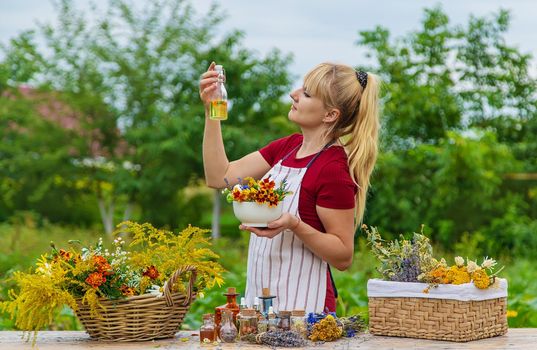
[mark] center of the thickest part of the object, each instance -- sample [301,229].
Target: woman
[327,167]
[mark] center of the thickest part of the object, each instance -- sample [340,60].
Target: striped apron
[295,275]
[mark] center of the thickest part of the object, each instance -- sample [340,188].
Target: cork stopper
[298,313]
[231,291]
[248,312]
[266,292]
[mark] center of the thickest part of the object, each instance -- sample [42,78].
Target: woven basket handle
[173,279]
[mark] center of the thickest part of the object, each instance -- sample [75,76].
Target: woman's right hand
[208,84]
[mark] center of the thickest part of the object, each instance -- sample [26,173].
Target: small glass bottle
[262,325]
[208,329]
[299,323]
[218,109]
[242,306]
[248,323]
[228,331]
[266,299]
[231,304]
[272,320]
[284,322]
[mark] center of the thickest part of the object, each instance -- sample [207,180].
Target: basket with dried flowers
[256,203]
[422,297]
[142,293]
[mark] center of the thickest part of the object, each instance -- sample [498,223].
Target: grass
[23,243]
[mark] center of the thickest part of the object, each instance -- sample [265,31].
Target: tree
[132,76]
[459,109]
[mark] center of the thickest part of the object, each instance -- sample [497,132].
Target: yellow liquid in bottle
[218,110]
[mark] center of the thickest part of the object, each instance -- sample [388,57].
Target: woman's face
[306,110]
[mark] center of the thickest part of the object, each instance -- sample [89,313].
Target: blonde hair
[358,124]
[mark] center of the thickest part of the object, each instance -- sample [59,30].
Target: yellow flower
[511,313]
[481,279]
[458,275]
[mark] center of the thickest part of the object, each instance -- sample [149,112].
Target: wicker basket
[438,319]
[143,317]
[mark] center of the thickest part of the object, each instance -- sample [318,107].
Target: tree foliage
[459,116]
[131,76]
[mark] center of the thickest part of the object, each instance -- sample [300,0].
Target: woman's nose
[294,95]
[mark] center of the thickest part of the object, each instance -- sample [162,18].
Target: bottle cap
[218,68]
[248,312]
[231,291]
[299,313]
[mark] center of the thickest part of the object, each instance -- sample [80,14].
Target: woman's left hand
[274,227]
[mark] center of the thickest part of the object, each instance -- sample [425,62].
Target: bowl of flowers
[256,203]
[134,291]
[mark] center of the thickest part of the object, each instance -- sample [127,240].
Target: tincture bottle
[266,299]
[231,304]
[284,322]
[208,329]
[298,322]
[228,331]
[218,106]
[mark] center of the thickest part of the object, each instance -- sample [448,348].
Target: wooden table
[516,338]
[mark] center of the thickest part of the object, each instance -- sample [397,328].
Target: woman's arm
[336,246]
[216,165]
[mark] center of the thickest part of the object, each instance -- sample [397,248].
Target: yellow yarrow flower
[458,275]
[481,279]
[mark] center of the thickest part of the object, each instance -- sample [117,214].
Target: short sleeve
[336,190]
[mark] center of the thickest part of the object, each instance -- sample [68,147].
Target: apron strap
[314,158]
[319,153]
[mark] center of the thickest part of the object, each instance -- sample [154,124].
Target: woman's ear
[331,115]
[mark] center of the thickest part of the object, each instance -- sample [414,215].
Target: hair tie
[362,78]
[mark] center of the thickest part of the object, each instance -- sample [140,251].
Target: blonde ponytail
[358,125]
[362,145]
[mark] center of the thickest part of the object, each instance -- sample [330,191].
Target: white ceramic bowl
[256,215]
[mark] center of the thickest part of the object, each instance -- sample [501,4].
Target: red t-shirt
[327,183]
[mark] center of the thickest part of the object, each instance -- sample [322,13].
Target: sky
[314,31]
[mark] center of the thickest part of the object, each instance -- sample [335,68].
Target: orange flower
[95,279]
[102,265]
[151,272]
[66,255]
[266,183]
[126,290]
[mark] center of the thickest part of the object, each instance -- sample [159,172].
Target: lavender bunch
[284,339]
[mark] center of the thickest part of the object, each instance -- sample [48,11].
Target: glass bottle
[284,322]
[266,299]
[218,107]
[242,306]
[272,320]
[231,304]
[208,329]
[247,323]
[299,323]
[228,331]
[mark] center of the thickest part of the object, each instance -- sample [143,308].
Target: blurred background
[100,121]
